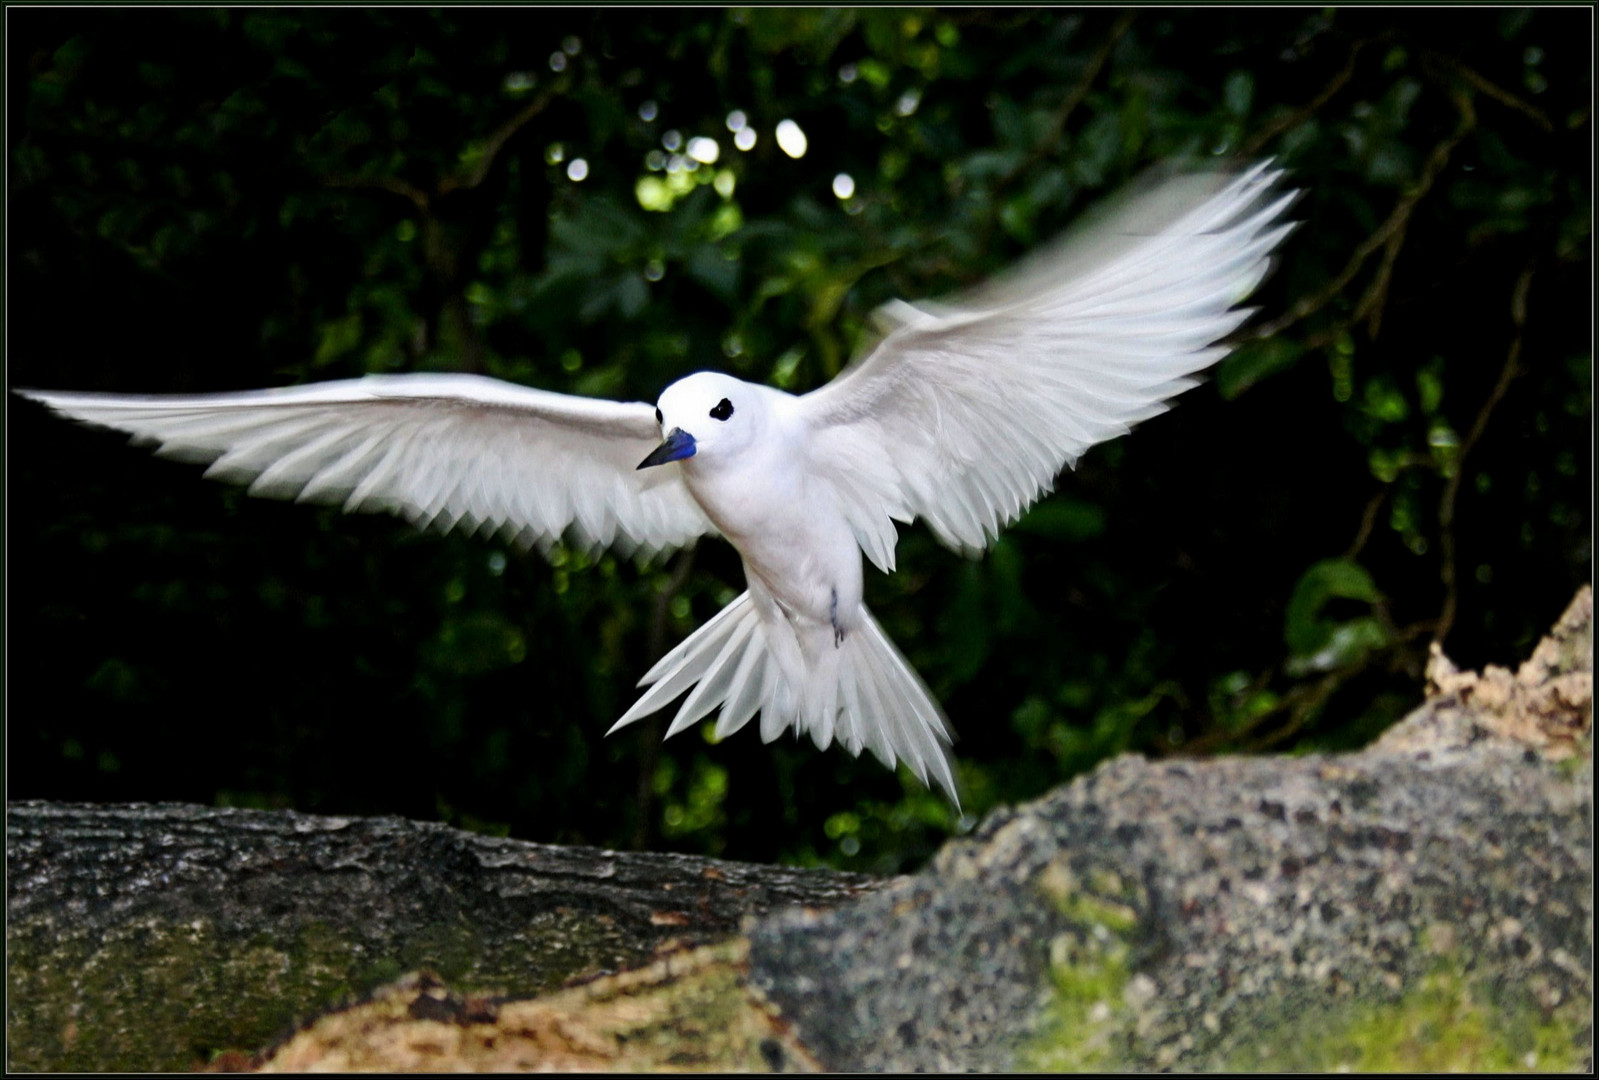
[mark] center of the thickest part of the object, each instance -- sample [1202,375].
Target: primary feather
[450,451]
[964,413]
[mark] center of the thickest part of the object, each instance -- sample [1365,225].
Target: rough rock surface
[1205,916]
[1547,704]
[1269,913]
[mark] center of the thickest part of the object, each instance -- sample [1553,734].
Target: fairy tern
[961,415]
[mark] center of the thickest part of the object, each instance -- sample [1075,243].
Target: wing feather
[964,414]
[450,451]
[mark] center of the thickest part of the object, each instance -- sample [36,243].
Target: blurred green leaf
[1318,643]
[719,274]
[1063,518]
[1253,361]
[1238,92]
[1384,401]
[967,628]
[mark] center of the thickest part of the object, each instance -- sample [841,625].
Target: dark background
[229,199]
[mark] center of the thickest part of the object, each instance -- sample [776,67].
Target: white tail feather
[864,696]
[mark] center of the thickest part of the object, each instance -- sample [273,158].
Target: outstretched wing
[964,414]
[442,450]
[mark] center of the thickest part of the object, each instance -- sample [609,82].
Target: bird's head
[705,416]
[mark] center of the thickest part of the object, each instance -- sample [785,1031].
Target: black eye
[723,410]
[659,419]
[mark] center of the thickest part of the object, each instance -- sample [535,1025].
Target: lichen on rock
[1547,704]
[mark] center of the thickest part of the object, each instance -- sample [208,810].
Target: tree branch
[1368,520]
[1481,84]
[1376,295]
[393,185]
[1446,504]
[1050,140]
[1079,93]
[471,178]
[1389,234]
[1287,123]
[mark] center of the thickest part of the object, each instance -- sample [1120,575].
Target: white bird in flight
[961,415]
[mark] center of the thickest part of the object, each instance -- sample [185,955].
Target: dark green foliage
[228,199]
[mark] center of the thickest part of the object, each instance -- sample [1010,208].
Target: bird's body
[784,521]
[960,416]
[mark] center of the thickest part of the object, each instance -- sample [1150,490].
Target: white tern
[961,415]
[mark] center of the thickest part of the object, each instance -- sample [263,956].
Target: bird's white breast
[785,523]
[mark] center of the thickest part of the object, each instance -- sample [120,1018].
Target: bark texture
[151,936]
[1425,904]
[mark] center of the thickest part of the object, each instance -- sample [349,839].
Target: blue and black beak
[678,445]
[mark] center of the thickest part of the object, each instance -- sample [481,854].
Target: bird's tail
[859,690]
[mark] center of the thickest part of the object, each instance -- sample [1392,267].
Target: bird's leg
[838,631]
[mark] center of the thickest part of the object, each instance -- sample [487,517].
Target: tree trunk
[150,936]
